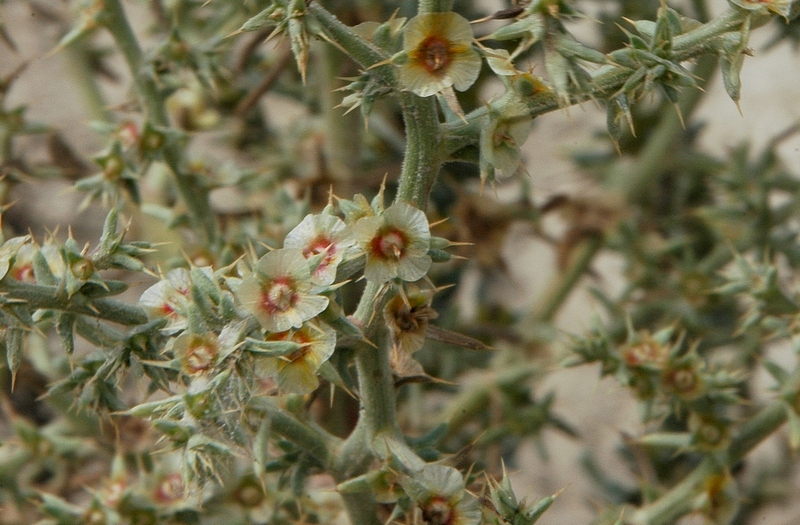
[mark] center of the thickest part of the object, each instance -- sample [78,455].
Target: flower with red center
[439,54]
[169,489]
[198,354]
[169,298]
[322,236]
[17,255]
[278,294]
[396,244]
[296,373]
[22,270]
[440,494]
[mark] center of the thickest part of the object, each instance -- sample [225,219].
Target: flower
[169,298]
[197,353]
[296,373]
[439,54]
[323,235]
[442,499]
[278,292]
[396,244]
[500,145]
[9,251]
[407,318]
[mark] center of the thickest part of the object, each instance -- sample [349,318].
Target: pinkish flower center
[168,310]
[433,53]
[24,273]
[389,244]
[438,511]
[319,245]
[279,296]
[170,489]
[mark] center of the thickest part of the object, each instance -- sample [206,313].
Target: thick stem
[423,144]
[435,6]
[192,190]
[375,381]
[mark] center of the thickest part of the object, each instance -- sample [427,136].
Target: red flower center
[319,245]
[433,53]
[279,296]
[24,273]
[389,244]
[438,511]
[169,490]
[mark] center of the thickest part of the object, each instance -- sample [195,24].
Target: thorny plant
[275,371]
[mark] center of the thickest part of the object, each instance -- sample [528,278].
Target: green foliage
[294,360]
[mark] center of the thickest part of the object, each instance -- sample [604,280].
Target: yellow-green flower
[278,292]
[296,373]
[396,243]
[439,54]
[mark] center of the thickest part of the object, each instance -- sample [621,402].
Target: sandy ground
[599,409]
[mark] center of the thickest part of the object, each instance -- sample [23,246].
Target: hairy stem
[435,6]
[422,160]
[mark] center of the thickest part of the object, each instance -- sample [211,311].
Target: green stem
[361,508]
[474,401]
[423,144]
[39,297]
[192,190]
[435,6]
[375,380]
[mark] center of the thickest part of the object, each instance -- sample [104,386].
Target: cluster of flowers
[281,309]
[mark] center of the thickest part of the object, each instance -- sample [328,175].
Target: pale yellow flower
[439,54]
